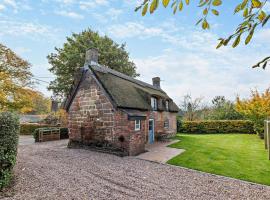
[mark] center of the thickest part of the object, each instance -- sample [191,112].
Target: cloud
[85,5]
[2,7]
[10,3]
[15,5]
[184,72]
[69,14]
[134,29]
[267,7]
[33,30]
[114,13]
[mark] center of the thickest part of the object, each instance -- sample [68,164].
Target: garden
[225,137]
[240,156]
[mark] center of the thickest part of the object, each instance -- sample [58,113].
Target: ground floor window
[137,125]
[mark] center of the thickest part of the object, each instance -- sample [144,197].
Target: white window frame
[137,125]
[168,124]
[167,105]
[154,103]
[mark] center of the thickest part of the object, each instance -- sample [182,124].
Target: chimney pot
[91,56]
[156,82]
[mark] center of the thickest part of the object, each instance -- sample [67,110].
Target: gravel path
[51,171]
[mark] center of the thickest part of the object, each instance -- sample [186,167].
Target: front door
[151,131]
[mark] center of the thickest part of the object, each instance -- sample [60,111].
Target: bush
[216,126]
[28,129]
[63,133]
[9,131]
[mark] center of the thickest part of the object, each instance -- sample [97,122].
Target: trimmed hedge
[28,129]
[63,133]
[9,131]
[216,126]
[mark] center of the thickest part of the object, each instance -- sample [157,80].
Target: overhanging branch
[262,63]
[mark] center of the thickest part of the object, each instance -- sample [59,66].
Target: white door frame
[153,127]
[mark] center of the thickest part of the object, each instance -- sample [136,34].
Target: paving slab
[159,152]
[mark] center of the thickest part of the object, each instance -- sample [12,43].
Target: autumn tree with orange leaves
[256,108]
[15,79]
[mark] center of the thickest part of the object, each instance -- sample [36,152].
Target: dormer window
[154,103]
[167,105]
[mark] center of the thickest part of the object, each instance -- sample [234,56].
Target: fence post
[265,133]
[268,139]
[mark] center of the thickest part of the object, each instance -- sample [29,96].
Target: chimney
[156,82]
[91,57]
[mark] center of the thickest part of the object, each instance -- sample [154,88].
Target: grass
[240,156]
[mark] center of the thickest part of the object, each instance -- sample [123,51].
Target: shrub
[256,109]
[216,126]
[9,130]
[28,129]
[63,133]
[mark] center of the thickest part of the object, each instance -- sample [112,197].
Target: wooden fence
[267,136]
[45,134]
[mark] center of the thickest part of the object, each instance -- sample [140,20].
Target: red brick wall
[160,118]
[92,119]
[91,116]
[134,140]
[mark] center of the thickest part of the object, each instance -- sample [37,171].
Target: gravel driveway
[51,171]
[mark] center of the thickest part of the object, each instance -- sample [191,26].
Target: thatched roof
[124,91]
[127,92]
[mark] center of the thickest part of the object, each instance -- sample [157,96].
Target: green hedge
[216,126]
[28,129]
[63,133]
[9,131]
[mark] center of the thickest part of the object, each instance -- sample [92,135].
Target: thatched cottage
[110,110]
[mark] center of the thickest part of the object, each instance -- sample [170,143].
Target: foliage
[240,156]
[51,119]
[9,130]
[38,104]
[28,129]
[223,109]
[15,77]
[63,132]
[190,107]
[216,126]
[68,59]
[256,109]
[253,14]
[62,117]
[57,118]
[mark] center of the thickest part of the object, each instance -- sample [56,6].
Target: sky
[165,45]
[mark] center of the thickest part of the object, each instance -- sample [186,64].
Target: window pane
[137,125]
[153,103]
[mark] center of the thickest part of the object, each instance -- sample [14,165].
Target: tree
[37,104]
[15,79]
[252,11]
[223,109]
[256,109]
[190,107]
[68,59]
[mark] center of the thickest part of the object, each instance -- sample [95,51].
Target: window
[137,125]
[154,103]
[166,124]
[167,105]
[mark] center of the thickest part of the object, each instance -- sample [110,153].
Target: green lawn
[240,156]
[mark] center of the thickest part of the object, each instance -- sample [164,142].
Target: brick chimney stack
[91,57]
[156,82]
